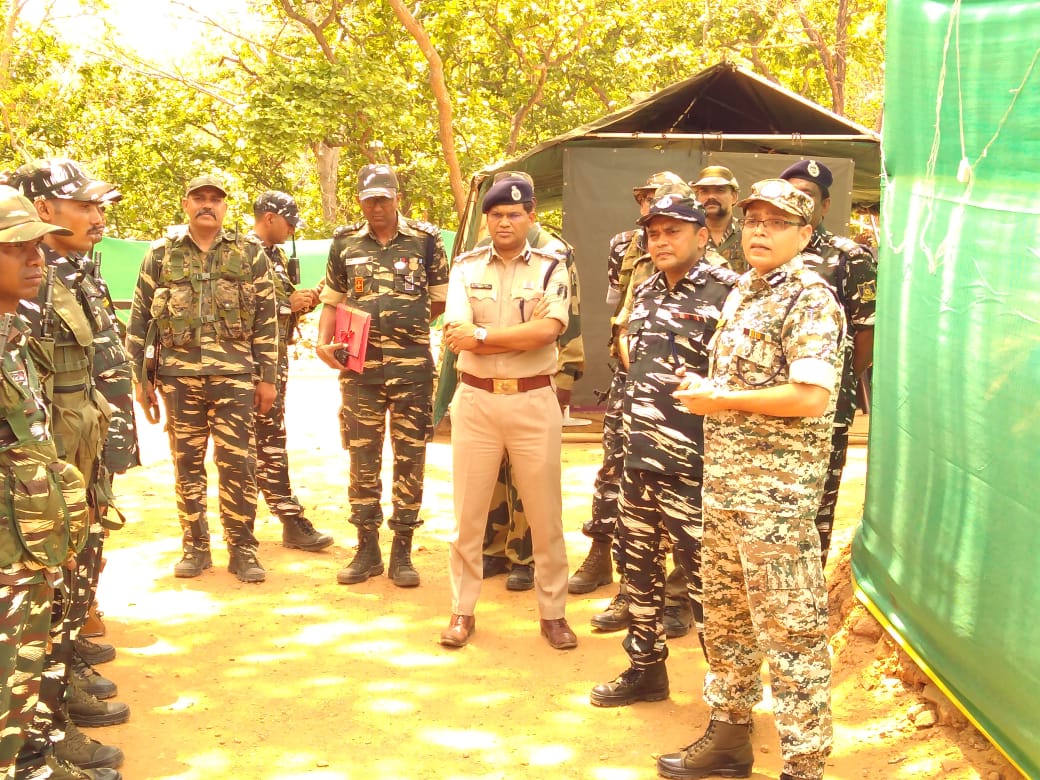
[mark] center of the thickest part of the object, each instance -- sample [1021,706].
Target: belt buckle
[507,386]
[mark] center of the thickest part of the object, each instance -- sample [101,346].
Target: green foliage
[518,73]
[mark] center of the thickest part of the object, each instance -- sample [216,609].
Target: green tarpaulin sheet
[947,551]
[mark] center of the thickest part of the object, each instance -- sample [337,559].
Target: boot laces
[703,743]
[305,525]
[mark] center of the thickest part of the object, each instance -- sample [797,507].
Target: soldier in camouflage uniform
[852,271]
[673,316]
[209,312]
[628,266]
[275,218]
[394,269]
[507,538]
[40,530]
[768,404]
[72,321]
[717,190]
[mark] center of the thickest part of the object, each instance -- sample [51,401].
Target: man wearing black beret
[852,271]
[507,305]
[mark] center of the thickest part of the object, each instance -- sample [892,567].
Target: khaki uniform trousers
[527,426]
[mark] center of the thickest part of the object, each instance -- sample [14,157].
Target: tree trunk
[443,99]
[327,159]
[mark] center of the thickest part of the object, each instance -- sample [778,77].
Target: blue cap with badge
[510,191]
[811,170]
[677,204]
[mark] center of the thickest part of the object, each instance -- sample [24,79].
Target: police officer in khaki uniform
[393,269]
[717,191]
[276,217]
[507,305]
[209,311]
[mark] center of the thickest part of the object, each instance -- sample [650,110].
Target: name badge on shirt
[480,286]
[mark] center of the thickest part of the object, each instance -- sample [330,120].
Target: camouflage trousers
[68,614]
[196,407]
[829,502]
[657,512]
[765,597]
[25,613]
[363,427]
[508,534]
[602,526]
[272,457]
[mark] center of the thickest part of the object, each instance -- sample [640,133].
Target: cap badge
[515,194]
[813,168]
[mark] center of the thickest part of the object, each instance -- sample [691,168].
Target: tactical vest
[80,412]
[189,297]
[43,509]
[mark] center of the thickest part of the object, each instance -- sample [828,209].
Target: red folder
[352,332]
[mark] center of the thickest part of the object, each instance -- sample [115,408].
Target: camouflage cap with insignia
[280,203]
[206,180]
[19,221]
[377,181]
[716,176]
[63,179]
[675,204]
[513,190]
[659,180]
[782,194]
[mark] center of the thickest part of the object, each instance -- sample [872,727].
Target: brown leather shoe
[559,634]
[460,629]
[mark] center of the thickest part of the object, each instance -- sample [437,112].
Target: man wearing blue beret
[852,271]
[507,305]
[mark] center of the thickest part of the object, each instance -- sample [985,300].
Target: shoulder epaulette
[348,229]
[723,274]
[848,246]
[645,283]
[475,252]
[549,253]
[425,227]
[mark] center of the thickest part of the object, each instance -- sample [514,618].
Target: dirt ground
[299,677]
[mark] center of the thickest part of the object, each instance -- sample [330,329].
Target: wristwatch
[480,334]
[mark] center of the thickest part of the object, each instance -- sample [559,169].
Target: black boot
[368,561]
[636,683]
[615,617]
[400,569]
[299,533]
[594,571]
[243,563]
[724,750]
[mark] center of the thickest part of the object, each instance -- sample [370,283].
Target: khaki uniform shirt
[487,291]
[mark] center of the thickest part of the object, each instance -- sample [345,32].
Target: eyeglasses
[770,225]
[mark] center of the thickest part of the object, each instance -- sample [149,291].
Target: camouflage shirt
[669,328]
[394,284]
[48,504]
[283,288]
[852,271]
[730,248]
[217,308]
[783,327]
[619,246]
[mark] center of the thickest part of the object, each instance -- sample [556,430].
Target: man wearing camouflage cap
[276,218]
[202,326]
[768,402]
[51,524]
[94,427]
[395,270]
[664,333]
[717,191]
[852,271]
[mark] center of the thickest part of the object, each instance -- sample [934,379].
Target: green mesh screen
[948,549]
